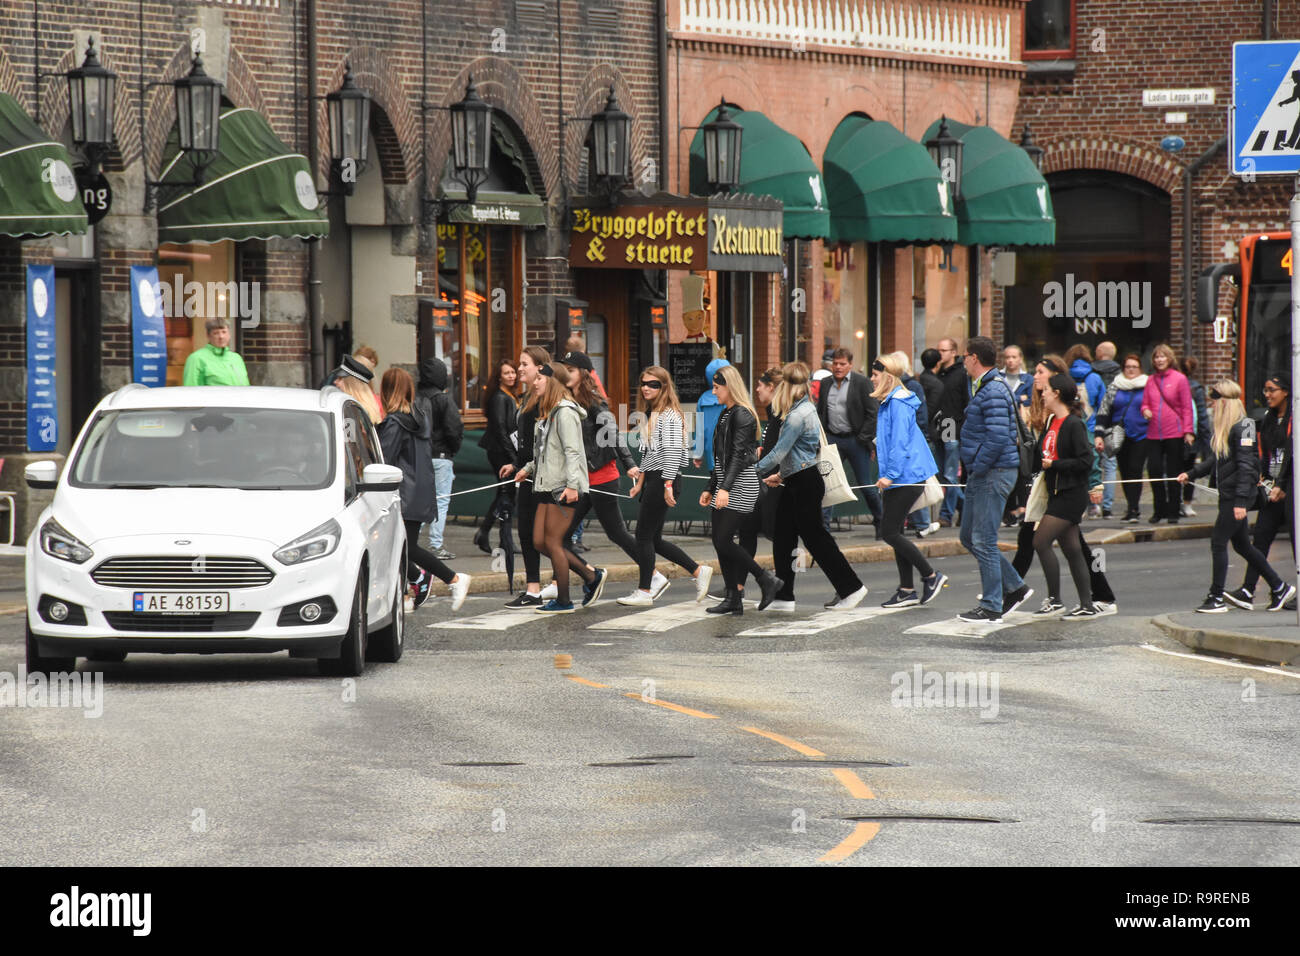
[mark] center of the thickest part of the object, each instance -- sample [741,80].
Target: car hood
[276,517]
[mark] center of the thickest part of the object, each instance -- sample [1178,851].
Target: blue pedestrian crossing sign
[1264,125]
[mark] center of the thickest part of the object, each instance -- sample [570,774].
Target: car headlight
[58,542]
[316,543]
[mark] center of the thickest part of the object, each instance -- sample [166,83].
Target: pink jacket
[1170,400]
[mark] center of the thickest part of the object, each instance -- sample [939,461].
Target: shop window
[197,282]
[845,288]
[940,294]
[1049,29]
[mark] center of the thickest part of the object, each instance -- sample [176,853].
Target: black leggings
[1131,459]
[607,513]
[732,557]
[1165,460]
[799,515]
[650,530]
[418,558]
[1050,529]
[1272,517]
[1025,558]
[551,535]
[1237,530]
[897,502]
[526,509]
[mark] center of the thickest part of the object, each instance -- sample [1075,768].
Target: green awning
[883,187]
[38,192]
[1005,200]
[772,163]
[256,188]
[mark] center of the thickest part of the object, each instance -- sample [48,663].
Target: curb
[1234,643]
[1176,532]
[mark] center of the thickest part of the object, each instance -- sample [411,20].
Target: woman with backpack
[1167,407]
[1122,428]
[1235,462]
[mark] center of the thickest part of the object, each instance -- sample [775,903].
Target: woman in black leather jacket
[497,441]
[733,491]
[1235,461]
[1275,470]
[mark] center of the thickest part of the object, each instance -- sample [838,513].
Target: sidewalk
[1256,635]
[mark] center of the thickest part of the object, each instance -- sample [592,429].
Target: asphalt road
[622,736]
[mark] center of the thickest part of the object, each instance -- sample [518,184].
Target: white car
[219,520]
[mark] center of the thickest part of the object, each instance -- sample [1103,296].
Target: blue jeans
[853,454]
[986,496]
[1108,467]
[443,475]
[952,497]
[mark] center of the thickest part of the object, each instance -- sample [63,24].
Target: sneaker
[781,606]
[1049,608]
[1105,513]
[1281,596]
[658,585]
[459,588]
[637,598]
[903,598]
[1187,511]
[835,599]
[550,592]
[945,522]
[408,603]
[442,554]
[851,601]
[1242,598]
[1014,599]
[980,615]
[1105,608]
[555,607]
[702,579]
[1133,518]
[928,530]
[591,592]
[930,587]
[422,586]
[1094,511]
[1155,519]
[1080,614]
[523,601]
[1213,605]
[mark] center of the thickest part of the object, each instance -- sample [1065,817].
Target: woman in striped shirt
[663,455]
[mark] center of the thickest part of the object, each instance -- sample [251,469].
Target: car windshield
[249,448]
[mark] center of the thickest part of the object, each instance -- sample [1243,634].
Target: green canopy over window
[38,192]
[772,163]
[883,187]
[507,197]
[256,188]
[1005,200]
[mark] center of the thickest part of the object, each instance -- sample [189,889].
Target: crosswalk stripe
[492,621]
[663,618]
[956,627]
[818,622]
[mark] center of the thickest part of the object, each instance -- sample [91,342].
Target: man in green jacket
[215,363]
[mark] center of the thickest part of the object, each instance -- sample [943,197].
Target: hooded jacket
[1107,369]
[1123,406]
[404,438]
[902,452]
[559,459]
[447,430]
[1092,385]
[707,413]
[1170,400]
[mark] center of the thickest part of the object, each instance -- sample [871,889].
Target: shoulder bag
[831,468]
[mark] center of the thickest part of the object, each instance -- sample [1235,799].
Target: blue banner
[148,329]
[42,395]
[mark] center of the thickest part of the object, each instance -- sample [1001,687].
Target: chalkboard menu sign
[686,364]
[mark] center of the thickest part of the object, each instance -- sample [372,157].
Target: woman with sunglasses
[1235,443]
[733,492]
[663,455]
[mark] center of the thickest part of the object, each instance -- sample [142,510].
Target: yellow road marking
[13,608]
[677,707]
[853,784]
[786,742]
[583,680]
[861,835]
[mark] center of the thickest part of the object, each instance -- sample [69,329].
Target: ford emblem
[181,541]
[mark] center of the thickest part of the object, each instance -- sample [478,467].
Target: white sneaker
[702,578]
[1186,511]
[781,606]
[551,592]
[1105,608]
[658,585]
[637,598]
[930,529]
[459,588]
[852,601]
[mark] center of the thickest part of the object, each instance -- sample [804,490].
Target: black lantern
[349,118]
[610,132]
[722,151]
[945,149]
[471,139]
[91,92]
[198,114]
[1033,149]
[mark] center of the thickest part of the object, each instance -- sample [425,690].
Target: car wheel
[352,652]
[106,657]
[385,645]
[36,663]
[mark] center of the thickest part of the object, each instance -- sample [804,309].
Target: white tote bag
[1036,504]
[931,494]
[831,468]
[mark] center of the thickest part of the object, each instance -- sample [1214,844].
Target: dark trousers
[798,515]
[607,513]
[854,455]
[1274,516]
[418,558]
[1132,458]
[906,554]
[1101,590]
[733,559]
[526,509]
[650,530]
[1165,460]
[1229,528]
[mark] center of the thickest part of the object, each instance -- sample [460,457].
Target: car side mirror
[380,478]
[42,474]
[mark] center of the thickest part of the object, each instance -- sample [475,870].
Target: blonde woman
[1236,466]
[663,455]
[364,395]
[905,459]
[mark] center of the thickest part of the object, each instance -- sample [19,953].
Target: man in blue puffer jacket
[992,466]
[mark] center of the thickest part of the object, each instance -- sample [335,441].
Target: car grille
[181,623]
[173,571]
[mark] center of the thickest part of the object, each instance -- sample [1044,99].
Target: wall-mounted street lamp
[611,130]
[1033,149]
[349,119]
[471,148]
[198,124]
[946,149]
[722,138]
[92,91]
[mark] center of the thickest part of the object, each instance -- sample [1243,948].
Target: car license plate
[181,602]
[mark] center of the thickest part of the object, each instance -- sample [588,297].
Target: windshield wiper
[125,484]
